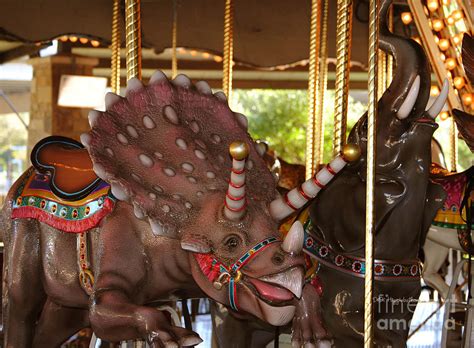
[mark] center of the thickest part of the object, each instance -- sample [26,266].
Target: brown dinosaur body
[172,233]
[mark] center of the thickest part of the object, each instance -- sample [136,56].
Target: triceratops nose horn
[235,200]
[293,242]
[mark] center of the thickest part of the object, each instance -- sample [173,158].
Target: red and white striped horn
[293,200]
[235,200]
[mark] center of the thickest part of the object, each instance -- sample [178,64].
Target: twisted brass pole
[371,149]
[228,48]
[133,39]
[389,56]
[453,135]
[322,84]
[343,66]
[312,85]
[174,39]
[115,47]
[382,71]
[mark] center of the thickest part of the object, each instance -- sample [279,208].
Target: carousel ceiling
[267,33]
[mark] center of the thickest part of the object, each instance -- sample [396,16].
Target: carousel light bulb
[406,18]
[457,39]
[217,59]
[83,40]
[450,63]
[445,2]
[457,15]
[436,39]
[459,82]
[432,5]
[95,43]
[442,57]
[63,38]
[443,116]
[73,38]
[206,55]
[467,99]
[449,75]
[434,91]
[438,25]
[193,52]
[450,20]
[443,44]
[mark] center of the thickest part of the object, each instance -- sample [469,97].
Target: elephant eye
[232,242]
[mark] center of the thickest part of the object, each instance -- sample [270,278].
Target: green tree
[280,117]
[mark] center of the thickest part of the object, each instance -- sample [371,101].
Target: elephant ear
[164,148]
[468,56]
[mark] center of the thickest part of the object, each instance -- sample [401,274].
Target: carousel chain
[322,83]
[133,39]
[174,40]
[312,85]
[371,149]
[343,65]
[228,48]
[115,47]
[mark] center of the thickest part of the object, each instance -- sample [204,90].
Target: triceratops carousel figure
[152,209]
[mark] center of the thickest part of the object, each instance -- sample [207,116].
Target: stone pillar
[46,116]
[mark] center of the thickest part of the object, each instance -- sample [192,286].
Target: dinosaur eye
[232,242]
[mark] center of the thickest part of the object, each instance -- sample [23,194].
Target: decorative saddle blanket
[450,214]
[35,199]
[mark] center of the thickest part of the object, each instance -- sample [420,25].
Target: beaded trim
[383,269]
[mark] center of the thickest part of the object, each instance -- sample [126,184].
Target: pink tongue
[271,292]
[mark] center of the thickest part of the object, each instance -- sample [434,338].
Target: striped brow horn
[235,200]
[295,199]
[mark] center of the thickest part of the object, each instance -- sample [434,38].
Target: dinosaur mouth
[279,289]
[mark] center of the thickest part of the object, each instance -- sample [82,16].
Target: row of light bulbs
[81,39]
[444,44]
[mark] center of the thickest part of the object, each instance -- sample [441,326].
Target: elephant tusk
[410,100]
[438,104]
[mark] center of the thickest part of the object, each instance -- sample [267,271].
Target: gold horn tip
[239,150]
[351,152]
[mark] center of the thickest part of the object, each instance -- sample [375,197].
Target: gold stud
[239,150]
[351,152]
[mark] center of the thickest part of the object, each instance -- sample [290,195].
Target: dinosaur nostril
[278,259]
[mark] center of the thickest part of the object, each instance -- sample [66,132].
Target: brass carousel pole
[322,84]
[133,39]
[312,85]
[389,56]
[453,135]
[371,149]
[228,49]
[174,40]
[115,47]
[343,66]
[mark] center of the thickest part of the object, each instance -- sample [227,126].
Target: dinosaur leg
[435,256]
[115,312]
[58,323]
[24,292]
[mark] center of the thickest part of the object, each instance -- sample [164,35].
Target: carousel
[162,196]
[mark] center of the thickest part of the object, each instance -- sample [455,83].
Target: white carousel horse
[440,239]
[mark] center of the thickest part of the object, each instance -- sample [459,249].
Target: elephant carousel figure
[406,201]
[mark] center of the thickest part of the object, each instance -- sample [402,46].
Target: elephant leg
[57,324]
[435,256]
[24,293]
